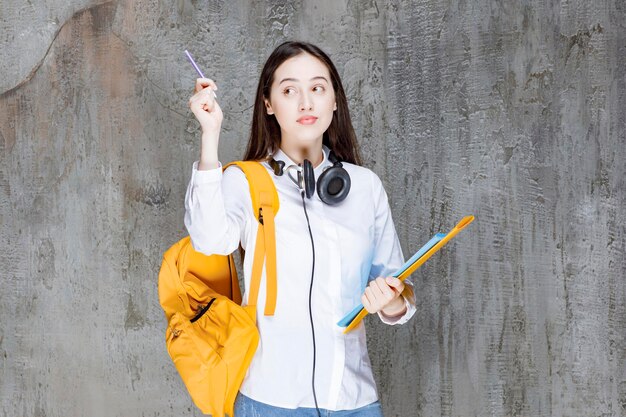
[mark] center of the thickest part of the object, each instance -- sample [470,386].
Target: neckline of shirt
[282,156]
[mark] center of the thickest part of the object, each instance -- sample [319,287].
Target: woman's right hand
[205,107]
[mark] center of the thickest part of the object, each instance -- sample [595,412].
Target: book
[354,317]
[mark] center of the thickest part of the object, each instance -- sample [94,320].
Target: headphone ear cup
[309,178]
[333,185]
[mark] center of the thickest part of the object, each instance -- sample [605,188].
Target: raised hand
[205,107]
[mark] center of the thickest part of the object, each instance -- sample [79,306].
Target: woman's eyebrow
[319,77]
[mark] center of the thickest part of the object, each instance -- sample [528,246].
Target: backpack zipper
[202,311]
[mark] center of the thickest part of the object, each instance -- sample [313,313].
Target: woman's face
[302,99]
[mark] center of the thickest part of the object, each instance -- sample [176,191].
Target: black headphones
[333,185]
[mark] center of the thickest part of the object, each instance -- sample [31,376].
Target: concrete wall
[511,111]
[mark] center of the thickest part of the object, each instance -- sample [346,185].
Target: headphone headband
[277,166]
[333,158]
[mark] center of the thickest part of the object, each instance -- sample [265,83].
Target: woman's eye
[289,91]
[318,89]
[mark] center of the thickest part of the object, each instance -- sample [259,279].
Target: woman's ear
[335,108]
[268,106]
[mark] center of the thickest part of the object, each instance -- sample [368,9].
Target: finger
[202,83]
[395,283]
[203,99]
[386,292]
[206,93]
[197,103]
[367,304]
[376,298]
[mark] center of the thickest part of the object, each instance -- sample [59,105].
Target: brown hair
[265,131]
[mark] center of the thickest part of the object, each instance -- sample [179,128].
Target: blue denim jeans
[247,407]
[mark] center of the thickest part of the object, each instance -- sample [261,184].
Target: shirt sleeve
[388,256]
[217,210]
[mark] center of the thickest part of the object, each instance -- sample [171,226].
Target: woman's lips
[307,120]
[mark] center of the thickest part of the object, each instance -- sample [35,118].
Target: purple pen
[196,67]
[194,64]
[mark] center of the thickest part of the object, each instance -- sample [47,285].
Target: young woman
[335,246]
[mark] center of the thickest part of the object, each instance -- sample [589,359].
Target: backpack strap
[265,205]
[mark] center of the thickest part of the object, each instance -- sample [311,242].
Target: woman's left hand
[383,294]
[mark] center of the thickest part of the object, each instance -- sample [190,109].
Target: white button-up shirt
[355,241]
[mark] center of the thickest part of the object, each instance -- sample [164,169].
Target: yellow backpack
[210,337]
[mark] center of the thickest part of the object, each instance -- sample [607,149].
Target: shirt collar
[282,156]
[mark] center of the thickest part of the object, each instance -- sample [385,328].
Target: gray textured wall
[513,111]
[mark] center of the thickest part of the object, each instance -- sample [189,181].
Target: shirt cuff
[207,175]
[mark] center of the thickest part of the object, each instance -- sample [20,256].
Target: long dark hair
[265,131]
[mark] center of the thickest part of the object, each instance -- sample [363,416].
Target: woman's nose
[306,103]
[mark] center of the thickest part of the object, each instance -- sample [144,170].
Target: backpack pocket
[212,352]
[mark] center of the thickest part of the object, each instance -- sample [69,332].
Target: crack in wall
[38,65]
